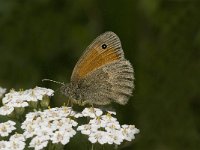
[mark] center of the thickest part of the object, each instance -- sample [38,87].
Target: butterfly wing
[112,82]
[105,49]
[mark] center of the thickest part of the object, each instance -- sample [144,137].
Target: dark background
[44,39]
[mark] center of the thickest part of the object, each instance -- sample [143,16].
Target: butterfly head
[66,90]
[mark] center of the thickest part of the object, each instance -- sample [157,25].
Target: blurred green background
[44,39]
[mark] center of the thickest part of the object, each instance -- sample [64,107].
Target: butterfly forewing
[104,49]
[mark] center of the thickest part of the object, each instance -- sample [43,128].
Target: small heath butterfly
[102,74]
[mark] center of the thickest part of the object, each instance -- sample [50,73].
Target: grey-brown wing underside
[113,82]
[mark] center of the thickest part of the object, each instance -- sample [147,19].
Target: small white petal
[112,112]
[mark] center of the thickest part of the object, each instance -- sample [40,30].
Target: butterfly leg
[68,102]
[71,102]
[92,107]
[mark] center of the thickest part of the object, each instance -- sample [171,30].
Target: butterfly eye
[104,46]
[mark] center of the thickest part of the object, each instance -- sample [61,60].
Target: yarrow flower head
[16,142]
[6,110]
[17,137]
[6,128]
[38,143]
[92,112]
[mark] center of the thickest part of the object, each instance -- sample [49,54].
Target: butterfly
[102,74]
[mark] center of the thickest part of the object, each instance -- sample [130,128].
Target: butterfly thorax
[71,90]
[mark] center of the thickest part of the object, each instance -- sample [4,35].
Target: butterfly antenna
[53,81]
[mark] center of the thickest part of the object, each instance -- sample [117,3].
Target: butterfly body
[102,75]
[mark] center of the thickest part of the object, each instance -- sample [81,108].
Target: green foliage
[44,39]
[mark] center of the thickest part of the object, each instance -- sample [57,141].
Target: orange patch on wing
[94,60]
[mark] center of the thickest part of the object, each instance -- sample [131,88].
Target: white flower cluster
[56,125]
[16,99]
[16,142]
[105,128]
[53,125]
[2,91]
[6,128]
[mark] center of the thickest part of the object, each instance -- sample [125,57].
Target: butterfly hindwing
[112,82]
